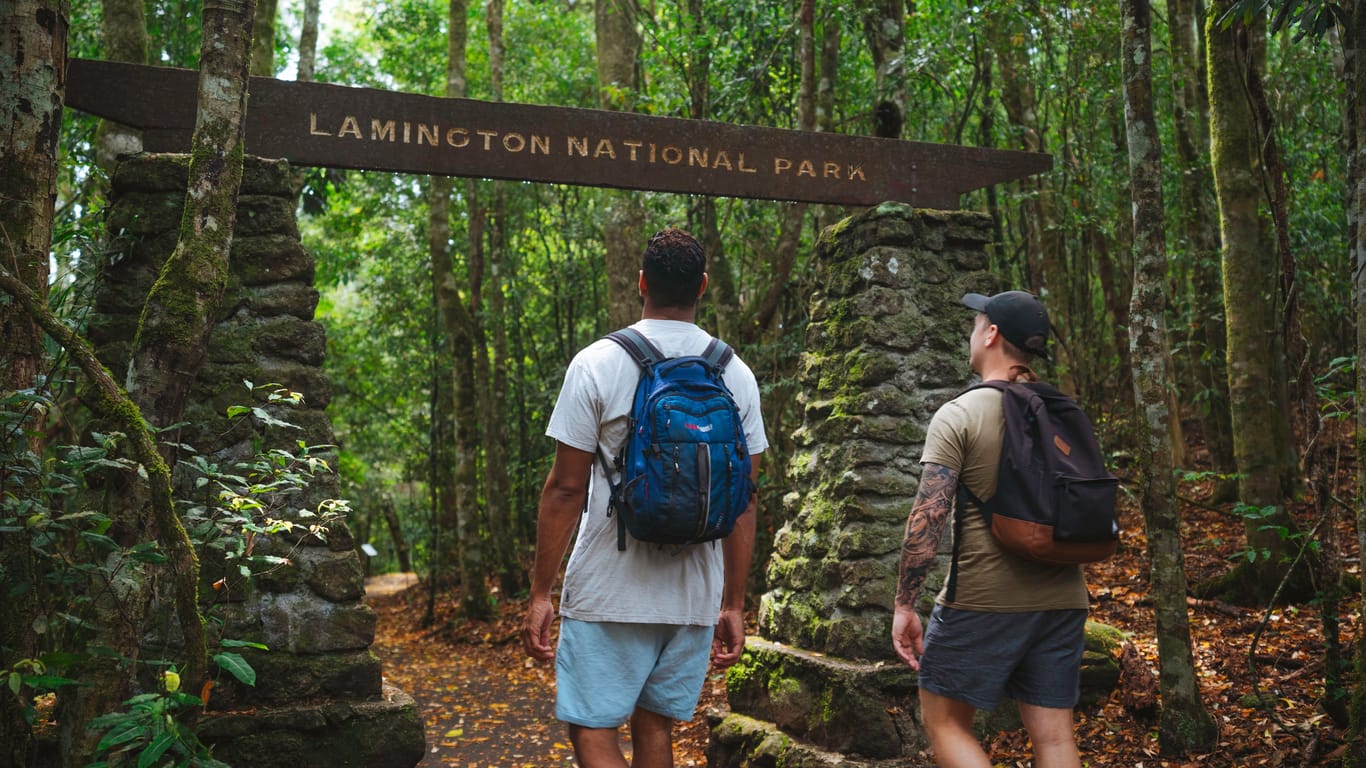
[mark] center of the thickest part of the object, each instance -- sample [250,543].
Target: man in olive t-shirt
[1010,627]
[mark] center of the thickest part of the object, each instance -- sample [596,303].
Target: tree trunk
[308,40]
[494,387]
[884,24]
[474,561]
[1354,50]
[395,526]
[452,323]
[1199,219]
[34,42]
[167,353]
[1043,247]
[623,227]
[124,29]
[1185,725]
[263,39]
[724,298]
[460,329]
[1257,396]
[794,214]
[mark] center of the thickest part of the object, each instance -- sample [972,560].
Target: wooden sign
[335,126]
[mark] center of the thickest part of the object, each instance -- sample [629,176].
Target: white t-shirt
[646,583]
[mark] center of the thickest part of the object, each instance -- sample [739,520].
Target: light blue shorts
[604,670]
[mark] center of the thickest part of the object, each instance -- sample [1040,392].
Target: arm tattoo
[924,527]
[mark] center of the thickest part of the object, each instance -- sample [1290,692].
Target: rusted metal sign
[363,128]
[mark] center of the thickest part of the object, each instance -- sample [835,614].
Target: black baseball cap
[1019,316]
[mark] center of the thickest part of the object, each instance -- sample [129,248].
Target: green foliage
[1270,518]
[253,499]
[151,732]
[1336,389]
[79,562]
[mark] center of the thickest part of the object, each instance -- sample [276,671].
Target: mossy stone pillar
[886,346]
[319,698]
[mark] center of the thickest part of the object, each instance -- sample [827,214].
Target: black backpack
[1055,500]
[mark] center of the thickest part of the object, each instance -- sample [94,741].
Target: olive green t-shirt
[965,435]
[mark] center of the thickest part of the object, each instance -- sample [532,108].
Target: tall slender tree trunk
[1185,725]
[1198,219]
[31,93]
[1043,246]
[494,386]
[389,510]
[308,40]
[1257,395]
[451,323]
[123,26]
[459,500]
[884,24]
[263,39]
[794,214]
[1354,50]
[623,228]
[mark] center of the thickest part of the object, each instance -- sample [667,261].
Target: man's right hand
[536,629]
[908,635]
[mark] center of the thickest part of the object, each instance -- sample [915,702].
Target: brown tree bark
[263,39]
[33,43]
[623,227]
[884,24]
[1257,392]
[456,411]
[494,382]
[1354,49]
[1198,223]
[308,40]
[1185,725]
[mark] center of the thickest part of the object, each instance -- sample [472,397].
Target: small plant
[149,734]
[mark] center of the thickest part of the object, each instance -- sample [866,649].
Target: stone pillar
[319,699]
[886,346]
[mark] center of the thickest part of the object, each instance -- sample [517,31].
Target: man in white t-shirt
[637,626]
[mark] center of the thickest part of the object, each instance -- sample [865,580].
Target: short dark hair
[673,264]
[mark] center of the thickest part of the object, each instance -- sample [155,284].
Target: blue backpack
[683,472]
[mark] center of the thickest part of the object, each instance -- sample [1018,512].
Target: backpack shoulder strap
[642,350]
[718,354]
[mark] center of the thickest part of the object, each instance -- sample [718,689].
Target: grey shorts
[976,657]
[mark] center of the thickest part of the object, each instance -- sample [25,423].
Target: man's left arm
[924,526]
[738,553]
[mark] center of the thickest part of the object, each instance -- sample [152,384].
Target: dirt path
[483,704]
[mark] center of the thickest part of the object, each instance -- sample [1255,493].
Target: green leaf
[236,666]
[100,539]
[153,752]
[15,682]
[230,643]
[48,682]
[119,736]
